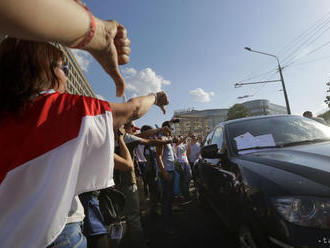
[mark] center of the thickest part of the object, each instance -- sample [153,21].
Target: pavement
[194,226]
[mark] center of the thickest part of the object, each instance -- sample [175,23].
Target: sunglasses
[64,68]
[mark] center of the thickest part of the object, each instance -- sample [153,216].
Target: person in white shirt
[128,184]
[184,169]
[193,150]
[165,160]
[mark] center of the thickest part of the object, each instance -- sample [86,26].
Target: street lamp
[280,71]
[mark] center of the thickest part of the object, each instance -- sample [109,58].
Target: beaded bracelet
[89,35]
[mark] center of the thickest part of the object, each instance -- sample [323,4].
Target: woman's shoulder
[89,102]
[66,102]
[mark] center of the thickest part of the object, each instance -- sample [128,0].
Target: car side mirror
[211,151]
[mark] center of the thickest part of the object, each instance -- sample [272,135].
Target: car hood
[310,161]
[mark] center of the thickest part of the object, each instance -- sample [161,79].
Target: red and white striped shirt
[61,146]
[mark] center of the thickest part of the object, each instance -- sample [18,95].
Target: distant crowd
[161,177]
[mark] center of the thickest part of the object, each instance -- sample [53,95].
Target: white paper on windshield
[265,140]
[247,140]
[244,141]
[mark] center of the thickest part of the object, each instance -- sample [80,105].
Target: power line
[304,33]
[308,36]
[320,23]
[259,75]
[263,86]
[308,62]
[309,53]
[308,41]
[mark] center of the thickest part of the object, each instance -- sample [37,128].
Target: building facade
[200,122]
[264,107]
[77,82]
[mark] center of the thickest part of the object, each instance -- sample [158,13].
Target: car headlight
[304,211]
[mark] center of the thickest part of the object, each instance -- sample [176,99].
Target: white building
[264,107]
[200,122]
[77,83]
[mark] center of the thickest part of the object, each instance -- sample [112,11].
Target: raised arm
[152,132]
[156,142]
[123,161]
[159,157]
[136,107]
[44,20]
[150,142]
[69,23]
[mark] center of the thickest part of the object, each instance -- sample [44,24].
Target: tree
[325,116]
[237,111]
[327,99]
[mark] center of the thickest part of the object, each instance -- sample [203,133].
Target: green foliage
[325,116]
[327,99]
[237,111]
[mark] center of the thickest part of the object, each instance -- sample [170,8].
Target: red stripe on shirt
[49,122]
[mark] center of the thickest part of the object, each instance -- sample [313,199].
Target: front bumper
[300,237]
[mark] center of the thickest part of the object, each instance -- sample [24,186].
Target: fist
[122,44]
[166,131]
[162,100]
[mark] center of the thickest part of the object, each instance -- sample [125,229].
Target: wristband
[91,32]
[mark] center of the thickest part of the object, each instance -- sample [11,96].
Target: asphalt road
[194,227]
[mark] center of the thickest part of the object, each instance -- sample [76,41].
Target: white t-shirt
[181,153]
[168,156]
[194,152]
[139,150]
[130,138]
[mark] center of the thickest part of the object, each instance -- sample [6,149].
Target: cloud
[83,58]
[98,96]
[143,82]
[199,95]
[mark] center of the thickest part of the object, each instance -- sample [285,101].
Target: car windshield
[280,131]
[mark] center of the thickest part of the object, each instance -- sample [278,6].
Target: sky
[194,50]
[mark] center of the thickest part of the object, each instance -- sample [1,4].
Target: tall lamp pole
[281,75]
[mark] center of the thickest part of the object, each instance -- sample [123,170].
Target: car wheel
[246,239]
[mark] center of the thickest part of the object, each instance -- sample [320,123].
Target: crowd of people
[159,159]
[60,151]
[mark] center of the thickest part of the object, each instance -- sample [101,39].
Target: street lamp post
[281,76]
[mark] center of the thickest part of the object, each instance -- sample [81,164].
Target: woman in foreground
[53,145]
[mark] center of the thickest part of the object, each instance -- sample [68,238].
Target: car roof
[255,118]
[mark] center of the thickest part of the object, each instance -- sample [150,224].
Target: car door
[216,177]
[201,171]
[230,189]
